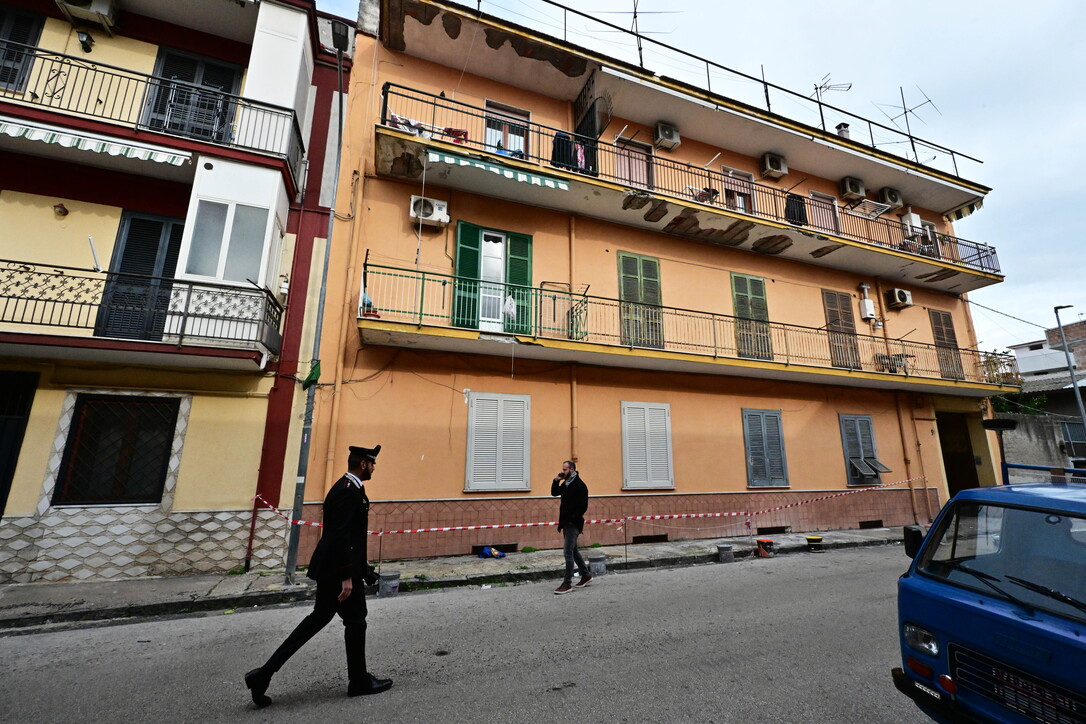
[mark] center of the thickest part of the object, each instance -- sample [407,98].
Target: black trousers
[352,611]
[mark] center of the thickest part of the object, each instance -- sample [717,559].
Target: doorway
[959,458]
[16,396]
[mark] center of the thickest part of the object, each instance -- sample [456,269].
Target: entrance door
[633,164]
[959,460]
[16,396]
[138,287]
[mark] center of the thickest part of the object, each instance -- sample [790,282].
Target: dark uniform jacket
[574,503]
[341,551]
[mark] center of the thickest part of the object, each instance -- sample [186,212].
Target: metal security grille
[118,450]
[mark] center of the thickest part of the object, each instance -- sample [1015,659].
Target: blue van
[992,611]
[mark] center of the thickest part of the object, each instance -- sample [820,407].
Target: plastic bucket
[389,585]
[814,543]
[597,564]
[724,553]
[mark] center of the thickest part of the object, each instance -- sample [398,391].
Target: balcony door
[752,332]
[16,398]
[492,291]
[946,345]
[824,213]
[139,283]
[841,329]
[639,308]
[192,96]
[24,28]
[633,164]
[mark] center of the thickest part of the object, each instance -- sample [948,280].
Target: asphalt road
[797,638]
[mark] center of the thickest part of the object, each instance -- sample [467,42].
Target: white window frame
[746,178]
[641,469]
[833,203]
[499,443]
[507,115]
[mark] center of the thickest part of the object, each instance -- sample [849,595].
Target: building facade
[715,310]
[163,203]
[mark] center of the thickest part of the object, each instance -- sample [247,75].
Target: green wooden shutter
[466,286]
[946,343]
[629,271]
[639,290]
[752,313]
[764,438]
[518,278]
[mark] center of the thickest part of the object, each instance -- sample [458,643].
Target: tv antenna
[635,26]
[826,85]
[906,111]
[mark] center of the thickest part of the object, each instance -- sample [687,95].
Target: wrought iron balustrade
[70,85]
[439,300]
[130,306]
[429,116]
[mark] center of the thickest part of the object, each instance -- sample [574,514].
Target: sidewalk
[35,606]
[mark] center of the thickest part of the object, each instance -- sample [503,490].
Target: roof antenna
[825,85]
[906,111]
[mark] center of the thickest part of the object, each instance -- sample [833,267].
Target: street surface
[793,639]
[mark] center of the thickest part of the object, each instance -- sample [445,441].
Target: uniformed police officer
[340,568]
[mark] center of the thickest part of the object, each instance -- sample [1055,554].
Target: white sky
[1006,77]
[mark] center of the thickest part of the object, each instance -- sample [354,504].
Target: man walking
[341,570]
[574,494]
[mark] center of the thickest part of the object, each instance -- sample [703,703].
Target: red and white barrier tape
[608,521]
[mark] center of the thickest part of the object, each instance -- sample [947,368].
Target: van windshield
[1034,558]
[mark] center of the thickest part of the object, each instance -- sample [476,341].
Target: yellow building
[711,307]
[163,205]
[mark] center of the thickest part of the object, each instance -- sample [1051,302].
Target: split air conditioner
[891,197]
[899,298]
[853,188]
[429,211]
[774,165]
[103,12]
[666,136]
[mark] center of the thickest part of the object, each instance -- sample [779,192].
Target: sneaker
[564,588]
[585,580]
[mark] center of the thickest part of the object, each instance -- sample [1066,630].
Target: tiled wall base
[103,543]
[893,507]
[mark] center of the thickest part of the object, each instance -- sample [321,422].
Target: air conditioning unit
[103,12]
[774,165]
[666,136]
[899,298]
[912,225]
[891,197]
[429,211]
[852,188]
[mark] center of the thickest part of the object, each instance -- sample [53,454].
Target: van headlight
[921,640]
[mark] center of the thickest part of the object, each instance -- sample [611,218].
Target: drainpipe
[908,459]
[573,412]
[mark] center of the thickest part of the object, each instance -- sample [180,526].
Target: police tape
[610,521]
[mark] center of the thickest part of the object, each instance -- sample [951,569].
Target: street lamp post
[1070,365]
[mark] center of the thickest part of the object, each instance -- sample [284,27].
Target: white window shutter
[646,445]
[498,442]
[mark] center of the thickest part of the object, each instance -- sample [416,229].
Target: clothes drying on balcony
[573,155]
[410,125]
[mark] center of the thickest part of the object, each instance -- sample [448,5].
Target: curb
[304,593]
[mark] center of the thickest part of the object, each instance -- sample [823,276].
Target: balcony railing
[136,307]
[437,300]
[70,85]
[430,116]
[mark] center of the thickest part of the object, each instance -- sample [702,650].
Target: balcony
[439,312]
[459,141]
[72,86]
[106,316]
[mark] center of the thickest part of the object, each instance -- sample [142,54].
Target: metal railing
[69,85]
[430,116]
[439,300]
[137,307]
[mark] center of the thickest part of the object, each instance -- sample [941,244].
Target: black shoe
[369,685]
[258,680]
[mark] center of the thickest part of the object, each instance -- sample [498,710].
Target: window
[738,190]
[17,28]
[646,445]
[507,129]
[492,291]
[633,163]
[227,241]
[824,212]
[764,438]
[858,439]
[841,329]
[118,450]
[946,345]
[752,333]
[192,96]
[639,290]
[1074,438]
[498,442]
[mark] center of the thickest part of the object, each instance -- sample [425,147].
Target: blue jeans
[569,549]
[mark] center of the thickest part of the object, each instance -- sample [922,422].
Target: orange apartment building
[164,203]
[711,307]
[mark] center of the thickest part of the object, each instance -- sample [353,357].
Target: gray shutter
[764,436]
[861,460]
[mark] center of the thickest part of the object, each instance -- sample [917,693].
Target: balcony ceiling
[425,31]
[645,210]
[467,342]
[125,353]
[230,19]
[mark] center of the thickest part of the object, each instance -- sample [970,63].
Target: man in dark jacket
[569,485]
[341,570]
